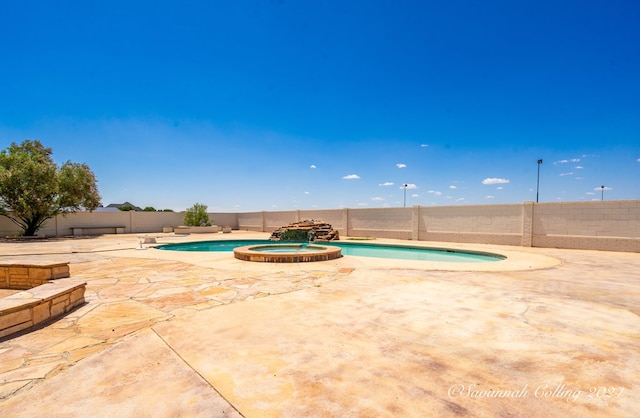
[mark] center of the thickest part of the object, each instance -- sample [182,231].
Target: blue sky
[281,105]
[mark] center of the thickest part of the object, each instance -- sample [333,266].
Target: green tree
[149,209]
[197,215]
[34,189]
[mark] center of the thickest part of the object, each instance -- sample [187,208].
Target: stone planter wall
[34,306]
[196,229]
[40,299]
[27,276]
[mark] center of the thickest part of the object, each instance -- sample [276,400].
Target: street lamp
[538,185]
[602,190]
[404,205]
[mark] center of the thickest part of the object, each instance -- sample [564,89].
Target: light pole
[538,184]
[602,191]
[404,205]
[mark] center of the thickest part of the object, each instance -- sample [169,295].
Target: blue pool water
[355,249]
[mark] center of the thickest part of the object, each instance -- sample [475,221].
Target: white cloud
[579,167]
[590,193]
[415,195]
[638,160]
[401,165]
[453,187]
[493,180]
[460,199]
[386,183]
[499,188]
[312,166]
[351,177]
[573,160]
[377,198]
[426,145]
[600,188]
[579,178]
[570,173]
[435,193]
[307,193]
[489,197]
[363,204]
[409,186]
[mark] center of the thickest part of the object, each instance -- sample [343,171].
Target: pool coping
[318,253]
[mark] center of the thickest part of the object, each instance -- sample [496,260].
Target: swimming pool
[397,252]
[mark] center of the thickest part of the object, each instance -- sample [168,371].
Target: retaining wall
[26,276]
[41,299]
[42,303]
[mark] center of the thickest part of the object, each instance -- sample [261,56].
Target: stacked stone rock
[317,231]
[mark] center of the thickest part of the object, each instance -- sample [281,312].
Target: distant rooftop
[120,205]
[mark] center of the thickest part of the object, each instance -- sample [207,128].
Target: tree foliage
[34,189]
[197,215]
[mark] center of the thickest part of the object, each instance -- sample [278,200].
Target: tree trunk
[30,230]
[33,225]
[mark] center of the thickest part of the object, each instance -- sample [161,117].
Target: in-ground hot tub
[286,253]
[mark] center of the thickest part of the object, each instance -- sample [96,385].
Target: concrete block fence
[609,225]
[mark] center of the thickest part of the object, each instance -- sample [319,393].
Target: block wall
[336,217]
[251,221]
[222,219]
[591,219]
[383,223]
[274,220]
[62,224]
[486,224]
[489,219]
[613,225]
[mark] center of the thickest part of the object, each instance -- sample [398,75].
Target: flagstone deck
[548,333]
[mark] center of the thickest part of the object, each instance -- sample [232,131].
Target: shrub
[197,215]
[295,235]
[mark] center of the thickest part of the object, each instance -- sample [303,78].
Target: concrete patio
[546,332]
